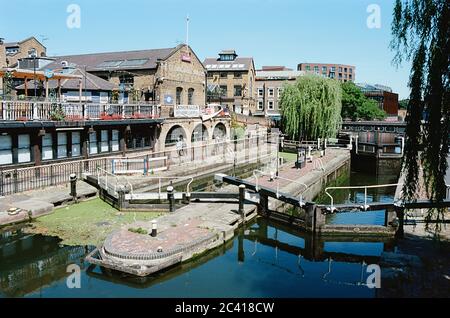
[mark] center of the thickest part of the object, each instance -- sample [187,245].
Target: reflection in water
[264,260]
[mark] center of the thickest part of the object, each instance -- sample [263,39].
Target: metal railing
[240,151]
[365,206]
[28,111]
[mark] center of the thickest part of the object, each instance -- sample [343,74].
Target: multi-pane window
[6,156]
[271,92]
[24,152]
[270,105]
[260,105]
[260,92]
[324,68]
[76,144]
[47,147]
[93,147]
[190,96]
[316,69]
[223,90]
[115,140]
[340,69]
[350,70]
[308,68]
[237,75]
[345,70]
[179,97]
[333,69]
[237,90]
[223,75]
[280,92]
[104,141]
[62,145]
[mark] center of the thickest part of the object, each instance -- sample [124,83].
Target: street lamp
[32,54]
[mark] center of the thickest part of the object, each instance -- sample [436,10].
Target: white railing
[160,195]
[27,111]
[365,206]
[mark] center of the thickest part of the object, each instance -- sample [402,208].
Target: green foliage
[115,96]
[420,34]
[403,104]
[355,105]
[8,83]
[311,107]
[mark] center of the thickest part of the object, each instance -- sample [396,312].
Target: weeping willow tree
[311,108]
[420,30]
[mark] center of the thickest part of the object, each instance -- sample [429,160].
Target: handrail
[365,207]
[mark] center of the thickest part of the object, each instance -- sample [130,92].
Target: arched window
[176,133]
[190,96]
[179,95]
[200,133]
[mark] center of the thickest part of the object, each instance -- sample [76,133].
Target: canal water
[263,260]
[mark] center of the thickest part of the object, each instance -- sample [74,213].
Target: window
[324,68]
[24,152]
[104,141]
[126,81]
[340,75]
[47,147]
[76,144]
[270,105]
[6,156]
[350,70]
[190,96]
[223,90]
[316,69]
[333,69]
[93,148]
[260,92]
[340,69]
[260,105]
[223,75]
[237,90]
[271,92]
[210,74]
[332,75]
[280,92]
[179,96]
[350,76]
[237,75]
[345,70]
[62,145]
[115,140]
[308,67]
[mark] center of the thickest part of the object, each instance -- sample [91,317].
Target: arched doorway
[175,134]
[200,133]
[220,132]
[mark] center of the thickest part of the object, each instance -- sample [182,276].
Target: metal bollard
[171,198]
[154,229]
[73,186]
[241,199]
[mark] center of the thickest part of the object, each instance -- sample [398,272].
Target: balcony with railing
[57,111]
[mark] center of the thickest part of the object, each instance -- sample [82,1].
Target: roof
[40,75]
[229,51]
[275,68]
[278,75]
[89,82]
[373,88]
[239,64]
[14,44]
[127,60]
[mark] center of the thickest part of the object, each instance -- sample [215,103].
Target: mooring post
[309,217]
[241,200]
[73,186]
[121,197]
[154,229]
[171,198]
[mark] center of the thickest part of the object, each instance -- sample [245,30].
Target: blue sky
[274,32]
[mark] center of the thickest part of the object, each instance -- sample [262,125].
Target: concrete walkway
[32,204]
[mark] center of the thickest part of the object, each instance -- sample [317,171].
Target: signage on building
[187,111]
[168,99]
[48,73]
[186,57]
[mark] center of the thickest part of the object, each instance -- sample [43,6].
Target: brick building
[269,86]
[383,95]
[22,49]
[2,62]
[159,76]
[341,72]
[231,82]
